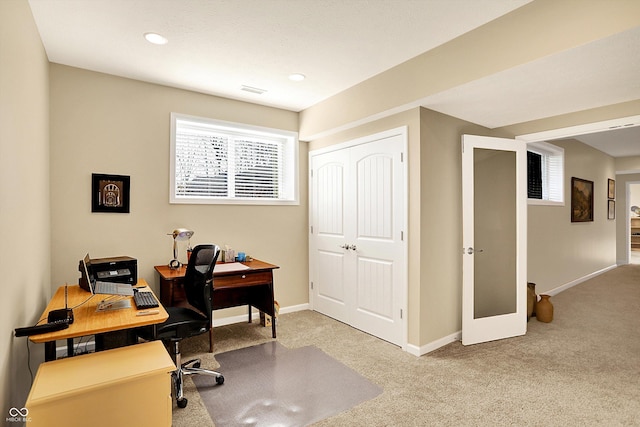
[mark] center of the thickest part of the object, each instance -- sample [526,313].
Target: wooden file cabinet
[128,386]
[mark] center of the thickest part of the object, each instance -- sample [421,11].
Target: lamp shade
[181,234]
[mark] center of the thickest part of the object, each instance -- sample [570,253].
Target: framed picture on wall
[110,193]
[611,211]
[611,188]
[581,200]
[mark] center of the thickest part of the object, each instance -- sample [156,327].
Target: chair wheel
[182,403]
[219,380]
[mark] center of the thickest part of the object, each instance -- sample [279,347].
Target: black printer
[121,269]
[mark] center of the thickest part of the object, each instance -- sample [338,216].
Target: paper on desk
[231,266]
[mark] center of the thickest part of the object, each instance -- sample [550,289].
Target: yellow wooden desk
[88,321]
[127,386]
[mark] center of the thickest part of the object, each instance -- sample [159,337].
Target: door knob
[348,247]
[471,251]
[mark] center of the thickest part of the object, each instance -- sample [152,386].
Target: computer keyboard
[144,300]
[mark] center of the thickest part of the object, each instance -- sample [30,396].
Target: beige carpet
[583,369]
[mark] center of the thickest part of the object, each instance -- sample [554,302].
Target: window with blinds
[534,175]
[545,172]
[222,162]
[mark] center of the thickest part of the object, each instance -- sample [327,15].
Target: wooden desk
[252,287]
[88,321]
[127,386]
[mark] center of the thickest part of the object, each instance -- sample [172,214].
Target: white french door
[494,193]
[357,245]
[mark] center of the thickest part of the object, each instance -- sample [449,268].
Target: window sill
[539,202]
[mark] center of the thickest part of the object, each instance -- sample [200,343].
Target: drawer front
[242,279]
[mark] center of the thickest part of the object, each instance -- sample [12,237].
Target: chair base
[192,367]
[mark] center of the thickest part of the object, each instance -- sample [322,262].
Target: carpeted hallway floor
[583,369]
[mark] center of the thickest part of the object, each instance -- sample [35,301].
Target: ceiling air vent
[253,89]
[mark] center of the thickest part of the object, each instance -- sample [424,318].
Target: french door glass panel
[494,232]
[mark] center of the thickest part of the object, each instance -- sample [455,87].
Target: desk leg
[70,352]
[166,292]
[99,340]
[49,351]
[211,340]
[273,327]
[249,313]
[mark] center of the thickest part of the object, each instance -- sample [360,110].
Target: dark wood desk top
[87,321]
[254,265]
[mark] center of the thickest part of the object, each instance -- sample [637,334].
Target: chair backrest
[198,279]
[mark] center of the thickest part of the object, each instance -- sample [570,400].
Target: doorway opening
[633,210]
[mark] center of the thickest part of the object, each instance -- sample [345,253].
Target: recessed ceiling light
[297,77]
[155,38]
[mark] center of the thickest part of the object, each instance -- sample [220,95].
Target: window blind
[201,164]
[553,170]
[256,168]
[545,172]
[534,175]
[214,161]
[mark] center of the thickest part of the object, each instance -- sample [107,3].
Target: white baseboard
[457,336]
[254,313]
[571,284]
[433,345]
[294,308]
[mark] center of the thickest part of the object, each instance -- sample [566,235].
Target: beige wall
[106,124]
[561,251]
[628,164]
[24,191]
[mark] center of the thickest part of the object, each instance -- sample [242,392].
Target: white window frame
[289,186]
[552,173]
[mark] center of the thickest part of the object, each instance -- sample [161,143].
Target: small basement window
[217,162]
[545,173]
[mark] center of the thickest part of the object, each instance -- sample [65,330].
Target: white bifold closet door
[358,261]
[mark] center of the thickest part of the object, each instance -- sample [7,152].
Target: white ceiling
[617,143]
[217,46]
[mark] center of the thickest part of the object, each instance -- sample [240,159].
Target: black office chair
[185,322]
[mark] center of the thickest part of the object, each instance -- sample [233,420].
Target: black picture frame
[611,188]
[611,209]
[581,200]
[110,193]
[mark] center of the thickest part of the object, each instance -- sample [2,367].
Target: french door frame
[483,329]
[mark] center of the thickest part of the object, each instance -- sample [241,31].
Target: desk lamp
[179,235]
